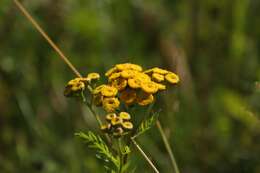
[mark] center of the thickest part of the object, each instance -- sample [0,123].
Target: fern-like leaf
[147,124]
[95,142]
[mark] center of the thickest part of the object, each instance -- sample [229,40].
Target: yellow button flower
[158,77]
[128,96]
[145,99]
[111,71]
[108,91]
[127,125]
[110,116]
[134,83]
[135,67]
[128,66]
[110,104]
[128,73]
[114,76]
[97,90]
[161,86]
[124,115]
[160,71]
[143,77]
[157,70]
[74,87]
[172,78]
[119,84]
[116,121]
[75,81]
[106,127]
[149,87]
[93,76]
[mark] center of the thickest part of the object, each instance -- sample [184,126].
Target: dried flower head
[128,96]
[145,99]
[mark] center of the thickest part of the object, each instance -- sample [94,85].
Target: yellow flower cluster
[126,82]
[75,86]
[105,95]
[137,86]
[118,125]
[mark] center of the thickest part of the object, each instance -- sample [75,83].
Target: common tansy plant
[127,85]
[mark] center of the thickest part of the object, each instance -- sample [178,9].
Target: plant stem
[46,37]
[144,155]
[120,155]
[90,106]
[168,147]
[84,100]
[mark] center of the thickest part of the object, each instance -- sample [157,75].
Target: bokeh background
[211,118]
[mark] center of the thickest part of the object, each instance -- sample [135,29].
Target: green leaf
[147,124]
[95,142]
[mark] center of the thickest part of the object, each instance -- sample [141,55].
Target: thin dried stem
[47,38]
[168,147]
[144,155]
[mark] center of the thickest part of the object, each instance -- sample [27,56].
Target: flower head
[110,104]
[161,86]
[116,121]
[157,77]
[114,76]
[119,84]
[93,77]
[145,99]
[128,66]
[172,78]
[110,71]
[106,128]
[98,89]
[124,115]
[128,73]
[110,116]
[127,125]
[157,70]
[108,91]
[149,87]
[74,87]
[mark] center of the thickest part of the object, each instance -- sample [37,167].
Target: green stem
[91,109]
[168,147]
[144,155]
[90,106]
[120,155]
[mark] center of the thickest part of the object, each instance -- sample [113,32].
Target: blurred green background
[211,118]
